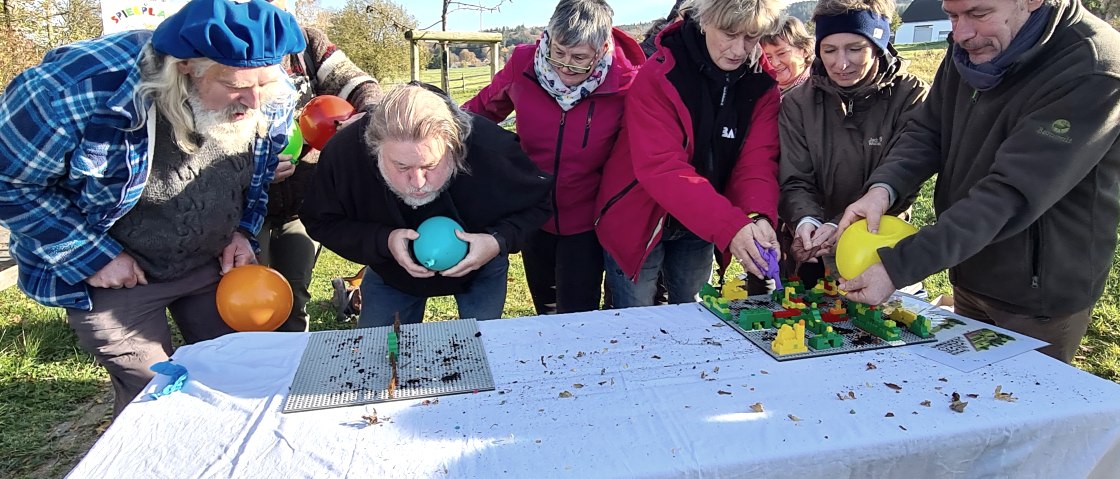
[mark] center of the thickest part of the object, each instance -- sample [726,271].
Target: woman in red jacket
[696,163]
[568,92]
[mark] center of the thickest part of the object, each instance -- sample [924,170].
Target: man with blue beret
[133,173]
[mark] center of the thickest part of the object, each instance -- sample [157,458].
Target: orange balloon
[320,119]
[254,298]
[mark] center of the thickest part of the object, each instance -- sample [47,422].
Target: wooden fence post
[416,36]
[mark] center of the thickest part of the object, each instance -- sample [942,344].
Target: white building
[923,21]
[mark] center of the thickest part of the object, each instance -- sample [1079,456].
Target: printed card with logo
[966,344]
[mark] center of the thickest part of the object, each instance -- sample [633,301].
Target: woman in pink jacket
[696,164]
[568,91]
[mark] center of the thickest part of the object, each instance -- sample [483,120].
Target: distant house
[923,21]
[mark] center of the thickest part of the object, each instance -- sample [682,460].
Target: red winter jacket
[572,146]
[655,148]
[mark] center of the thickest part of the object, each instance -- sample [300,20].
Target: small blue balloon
[438,248]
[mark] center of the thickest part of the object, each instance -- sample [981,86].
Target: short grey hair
[753,17]
[414,113]
[581,22]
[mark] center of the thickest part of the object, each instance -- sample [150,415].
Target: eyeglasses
[579,70]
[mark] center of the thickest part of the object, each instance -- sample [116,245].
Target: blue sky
[517,12]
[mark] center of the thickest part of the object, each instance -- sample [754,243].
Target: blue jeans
[484,299]
[684,258]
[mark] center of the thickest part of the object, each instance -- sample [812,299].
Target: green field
[56,399]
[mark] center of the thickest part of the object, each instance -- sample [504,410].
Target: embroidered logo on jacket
[1058,130]
[878,141]
[728,132]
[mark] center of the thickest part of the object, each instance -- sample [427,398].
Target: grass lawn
[56,400]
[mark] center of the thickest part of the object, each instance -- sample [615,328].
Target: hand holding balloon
[399,247]
[858,247]
[438,246]
[254,298]
[483,248]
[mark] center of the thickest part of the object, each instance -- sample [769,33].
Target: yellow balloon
[858,248]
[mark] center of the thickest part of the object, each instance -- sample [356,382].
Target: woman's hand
[743,246]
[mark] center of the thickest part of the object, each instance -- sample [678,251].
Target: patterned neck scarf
[568,96]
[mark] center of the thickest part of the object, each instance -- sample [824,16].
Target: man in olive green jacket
[1021,128]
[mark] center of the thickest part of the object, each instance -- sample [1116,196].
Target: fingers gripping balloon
[254,298]
[438,248]
[858,248]
[770,269]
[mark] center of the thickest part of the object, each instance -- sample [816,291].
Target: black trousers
[565,273]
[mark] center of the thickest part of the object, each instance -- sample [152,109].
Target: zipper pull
[1034,281]
[975,95]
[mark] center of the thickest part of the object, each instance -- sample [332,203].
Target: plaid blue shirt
[72,162]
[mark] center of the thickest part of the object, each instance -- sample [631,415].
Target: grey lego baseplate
[855,339]
[351,367]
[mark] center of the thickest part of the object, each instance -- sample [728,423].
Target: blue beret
[251,33]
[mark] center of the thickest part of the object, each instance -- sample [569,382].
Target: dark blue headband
[875,27]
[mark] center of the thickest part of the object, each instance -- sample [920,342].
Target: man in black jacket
[415,156]
[1020,128]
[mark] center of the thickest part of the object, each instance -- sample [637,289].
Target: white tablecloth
[653,403]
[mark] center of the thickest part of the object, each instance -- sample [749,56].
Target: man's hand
[805,233]
[742,245]
[871,206]
[284,169]
[483,248]
[823,238]
[873,286]
[398,246]
[237,253]
[121,272]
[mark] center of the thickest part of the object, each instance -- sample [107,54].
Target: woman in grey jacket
[838,127]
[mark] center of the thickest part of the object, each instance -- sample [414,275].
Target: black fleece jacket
[1028,186]
[351,211]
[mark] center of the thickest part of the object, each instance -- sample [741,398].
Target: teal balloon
[438,248]
[295,143]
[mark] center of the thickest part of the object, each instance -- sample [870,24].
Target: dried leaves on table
[1002,396]
[956,403]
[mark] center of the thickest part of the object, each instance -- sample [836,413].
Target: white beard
[431,193]
[222,134]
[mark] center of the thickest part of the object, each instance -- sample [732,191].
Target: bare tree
[450,6]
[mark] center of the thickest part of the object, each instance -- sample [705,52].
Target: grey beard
[218,132]
[409,199]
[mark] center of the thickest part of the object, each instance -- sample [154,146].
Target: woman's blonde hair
[753,17]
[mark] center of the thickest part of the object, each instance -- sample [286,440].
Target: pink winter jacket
[572,146]
[655,148]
